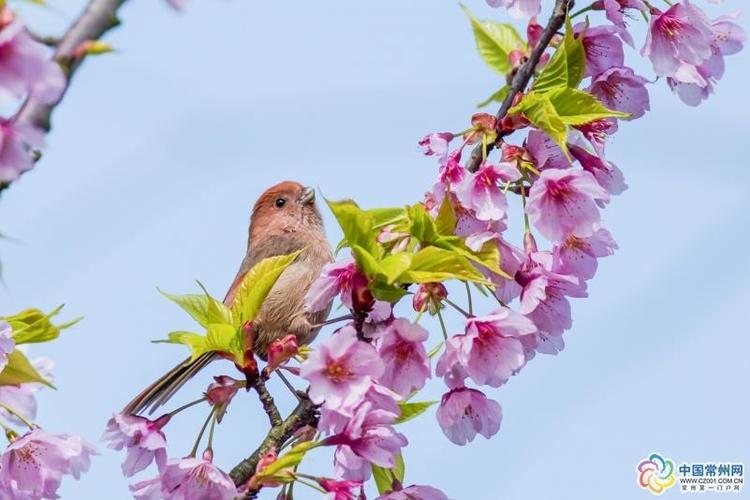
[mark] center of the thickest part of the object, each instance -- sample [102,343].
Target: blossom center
[338,371]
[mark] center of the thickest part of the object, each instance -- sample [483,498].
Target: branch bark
[306,413]
[523,75]
[95,21]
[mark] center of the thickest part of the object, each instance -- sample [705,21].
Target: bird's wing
[282,244]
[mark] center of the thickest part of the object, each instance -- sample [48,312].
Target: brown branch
[523,75]
[98,18]
[306,413]
[269,405]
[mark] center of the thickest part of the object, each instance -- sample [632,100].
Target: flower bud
[280,351]
[429,297]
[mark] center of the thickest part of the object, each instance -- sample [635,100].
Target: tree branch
[306,413]
[98,18]
[269,405]
[523,75]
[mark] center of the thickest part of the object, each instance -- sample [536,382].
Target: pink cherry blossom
[341,370]
[343,279]
[7,344]
[622,90]
[193,478]
[464,412]
[401,348]
[143,438]
[21,397]
[26,67]
[606,173]
[415,492]
[339,489]
[563,202]
[544,152]
[489,352]
[616,13]
[597,132]
[693,84]
[680,35]
[451,171]
[223,389]
[436,144]
[15,141]
[149,489]
[369,435]
[602,48]
[579,256]
[481,191]
[518,8]
[333,421]
[545,291]
[350,466]
[32,465]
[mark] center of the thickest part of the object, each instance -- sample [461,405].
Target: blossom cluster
[33,464]
[363,378]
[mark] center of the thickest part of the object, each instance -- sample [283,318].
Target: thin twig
[522,77]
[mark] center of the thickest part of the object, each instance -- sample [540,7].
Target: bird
[285,219]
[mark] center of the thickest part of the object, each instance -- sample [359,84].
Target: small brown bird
[284,220]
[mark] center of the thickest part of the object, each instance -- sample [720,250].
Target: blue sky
[160,149]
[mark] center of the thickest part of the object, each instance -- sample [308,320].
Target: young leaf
[436,264]
[494,41]
[196,305]
[540,111]
[566,67]
[394,265]
[384,477]
[421,225]
[33,326]
[356,224]
[412,410]
[256,284]
[194,341]
[20,371]
[384,216]
[290,459]
[445,222]
[498,96]
[576,107]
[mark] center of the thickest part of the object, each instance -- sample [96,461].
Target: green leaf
[33,326]
[256,284]
[289,460]
[20,371]
[384,477]
[445,222]
[566,67]
[498,96]
[540,111]
[412,410]
[436,264]
[385,216]
[421,225]
[494,41]
[386,292]
[201,307]
[576,107]
[356,224]
[394,265]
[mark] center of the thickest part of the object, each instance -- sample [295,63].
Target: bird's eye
[280,202]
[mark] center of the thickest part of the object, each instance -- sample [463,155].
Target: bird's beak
[307,197]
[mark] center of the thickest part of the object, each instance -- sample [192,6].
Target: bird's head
[286,207]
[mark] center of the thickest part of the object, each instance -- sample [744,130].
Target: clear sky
[159,150]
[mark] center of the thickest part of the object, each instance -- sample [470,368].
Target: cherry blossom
[143,438]
[464,412]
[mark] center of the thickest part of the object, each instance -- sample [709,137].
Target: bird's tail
[166,386]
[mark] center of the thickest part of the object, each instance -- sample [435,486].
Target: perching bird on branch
[284,219]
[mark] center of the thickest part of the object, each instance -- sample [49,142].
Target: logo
[656,474]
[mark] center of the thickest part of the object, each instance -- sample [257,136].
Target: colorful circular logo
[656,474]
